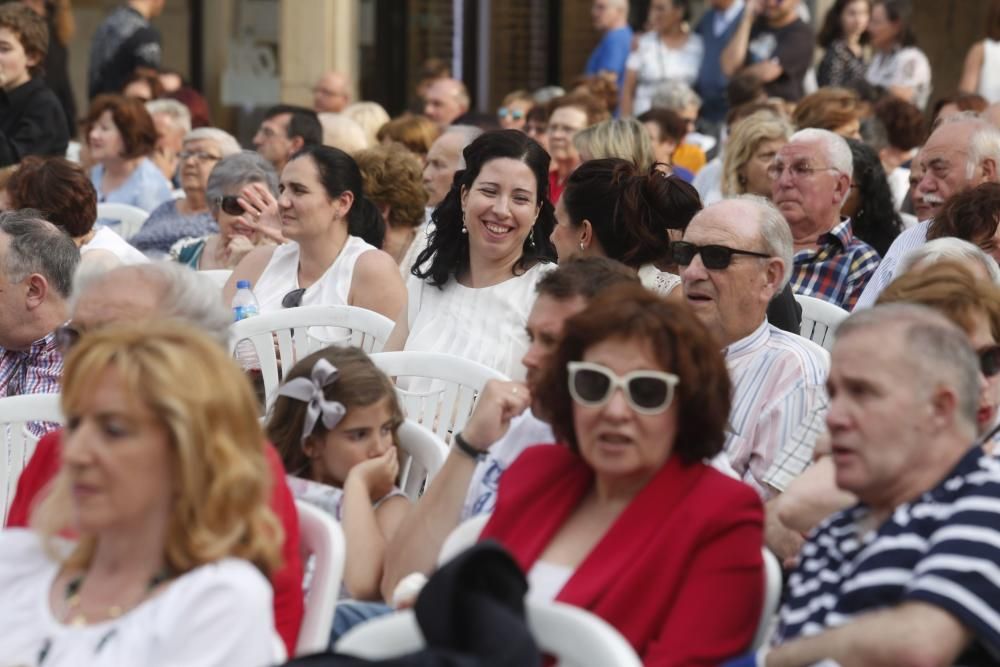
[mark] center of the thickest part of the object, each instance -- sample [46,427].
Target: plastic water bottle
[245,305]
[244,302]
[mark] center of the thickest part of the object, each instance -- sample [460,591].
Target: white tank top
[281,276]
[989,75]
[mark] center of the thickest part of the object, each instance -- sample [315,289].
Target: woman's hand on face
[237,249]
[261,212]
[498,403]
[378,474]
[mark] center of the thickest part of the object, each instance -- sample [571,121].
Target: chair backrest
[464,536]
[819,320]
[573,635]
[301,331]
[447,403]
[130,218]
[425,454]
[322,540]
[217,276]
[772,597]
[18,443]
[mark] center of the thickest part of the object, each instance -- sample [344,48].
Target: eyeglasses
[231,205]
[797,171]
[989,360]
[647,392]
[515,114]
[67,336]
[200,156]
[714,257]
[293,299]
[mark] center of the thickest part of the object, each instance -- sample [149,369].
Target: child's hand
[378,474]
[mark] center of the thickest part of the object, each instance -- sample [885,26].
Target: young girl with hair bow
[335,422]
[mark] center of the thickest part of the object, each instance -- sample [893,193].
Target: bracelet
[467,449]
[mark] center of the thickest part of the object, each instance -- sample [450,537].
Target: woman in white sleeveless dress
[320,204]
[611,208]
[981,72]
[473,285]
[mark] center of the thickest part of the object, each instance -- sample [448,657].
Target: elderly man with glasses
[735,256]
[810,179]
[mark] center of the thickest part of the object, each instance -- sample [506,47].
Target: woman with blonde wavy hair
[163,489]
[626,139]
[751,147]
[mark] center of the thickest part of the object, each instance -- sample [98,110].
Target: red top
[286,581]
[679,573]
[555,187]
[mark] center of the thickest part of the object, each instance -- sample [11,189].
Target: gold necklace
[75,615]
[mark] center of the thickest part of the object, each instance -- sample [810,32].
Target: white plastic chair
[130,218]
[18,442]
[464,536]
[446,406]
[573,635]
[295,331]
[772,597]
[218,276]
[425,454]
[321,538]
[819,320]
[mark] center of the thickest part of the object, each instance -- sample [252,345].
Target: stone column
[316,36]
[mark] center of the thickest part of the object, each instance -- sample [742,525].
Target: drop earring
[465,229]
[531,238]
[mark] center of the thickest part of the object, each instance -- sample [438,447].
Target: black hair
[303,123]
[339,173]
[629,211]
[876,222]
[900,11]
[831,30]
[447,250]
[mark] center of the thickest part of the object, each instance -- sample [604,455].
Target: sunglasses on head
[293,299]
[231,205]
[515,114]
[989,360]
[648,392]
[712,256]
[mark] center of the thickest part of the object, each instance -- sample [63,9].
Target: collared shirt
[36,370]
[909,240]
[778,394]
[941,549]
[838,270]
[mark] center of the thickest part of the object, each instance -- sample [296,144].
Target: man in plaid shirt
[38,260]
[811,178]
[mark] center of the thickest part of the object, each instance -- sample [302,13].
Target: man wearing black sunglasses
[735,256]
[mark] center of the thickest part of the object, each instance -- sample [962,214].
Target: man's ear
[989,166]
[774,275]
[296,145]
[38,290]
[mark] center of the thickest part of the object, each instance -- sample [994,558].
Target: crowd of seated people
[636,259]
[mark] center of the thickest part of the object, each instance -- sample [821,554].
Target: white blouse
[485,324]
[654,62]
[214,616]
[907,66]
[106,239]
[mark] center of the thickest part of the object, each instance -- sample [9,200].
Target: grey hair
[624,138]
[953,248]
[226,142]
[834,146]
[984,144]
[774,233]
[675,95]
[235,171]
[179,113]
[182,294]
[342,132]
[546,94]
[936,349]
[469,134]
[38,246]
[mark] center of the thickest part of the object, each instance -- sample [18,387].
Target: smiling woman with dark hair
[473,285]
[626,520]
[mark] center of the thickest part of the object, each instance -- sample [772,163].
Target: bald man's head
[446,100]
[332,92]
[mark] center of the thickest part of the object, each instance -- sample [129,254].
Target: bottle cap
[242,284]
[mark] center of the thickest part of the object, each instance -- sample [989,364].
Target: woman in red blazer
[625,519]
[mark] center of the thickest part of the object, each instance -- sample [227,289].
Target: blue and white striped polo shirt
[942,549]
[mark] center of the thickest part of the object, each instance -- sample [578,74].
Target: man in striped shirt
[810,179]
[909,575]
[736,255]
[38,261]
[963,152]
